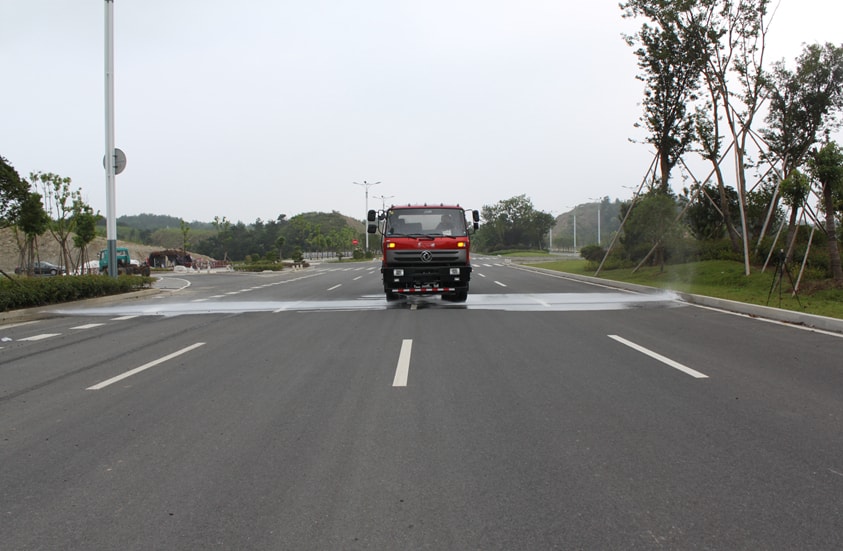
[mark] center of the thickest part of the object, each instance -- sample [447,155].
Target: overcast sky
[254,109]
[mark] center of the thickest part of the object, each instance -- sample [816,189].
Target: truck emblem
[426,256]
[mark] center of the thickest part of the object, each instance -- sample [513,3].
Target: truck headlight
[398,272]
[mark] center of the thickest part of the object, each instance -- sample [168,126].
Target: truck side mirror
[475,215]
[372,228]
[371,217]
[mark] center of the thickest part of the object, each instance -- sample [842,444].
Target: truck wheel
[390,296]
[460,295]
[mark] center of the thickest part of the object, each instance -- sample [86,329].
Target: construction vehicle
[125,264]
[426,250]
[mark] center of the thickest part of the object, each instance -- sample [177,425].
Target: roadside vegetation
[28,292]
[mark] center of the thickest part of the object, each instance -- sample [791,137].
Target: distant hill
[152,222]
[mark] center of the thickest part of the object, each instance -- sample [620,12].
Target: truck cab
[425,250]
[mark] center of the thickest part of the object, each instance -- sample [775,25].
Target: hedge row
[26,292]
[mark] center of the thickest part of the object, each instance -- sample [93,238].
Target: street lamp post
[108,161]
[575,229]
[366,185]
[599,200]
[383,199]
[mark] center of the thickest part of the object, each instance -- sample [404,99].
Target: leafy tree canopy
[13,191]
[513,223]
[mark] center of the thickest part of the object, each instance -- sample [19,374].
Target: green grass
[723,279]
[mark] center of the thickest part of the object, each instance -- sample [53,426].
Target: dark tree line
[513,224]
[313,232]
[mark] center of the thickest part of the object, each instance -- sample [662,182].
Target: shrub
[27,292]
[593,253]
[259,266]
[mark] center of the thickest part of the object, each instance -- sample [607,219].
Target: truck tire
[460,295]
[391,296]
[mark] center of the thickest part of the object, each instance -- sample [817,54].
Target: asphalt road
[299,410]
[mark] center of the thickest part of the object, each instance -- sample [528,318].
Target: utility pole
[366,185]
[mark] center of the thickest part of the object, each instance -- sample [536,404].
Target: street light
[366,185]
[599,200]
[383,199]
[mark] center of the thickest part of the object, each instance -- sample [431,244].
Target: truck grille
[426,257]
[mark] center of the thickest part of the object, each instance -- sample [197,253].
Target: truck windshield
[427,221]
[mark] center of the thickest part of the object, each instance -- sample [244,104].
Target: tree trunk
[734,235]
[833,250]
[790,240]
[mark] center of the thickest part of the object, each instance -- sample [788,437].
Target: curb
[765,312]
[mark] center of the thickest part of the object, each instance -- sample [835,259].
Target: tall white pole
[366,185]
[598,223]
[111,201]
[599,200]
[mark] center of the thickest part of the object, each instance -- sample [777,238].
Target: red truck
[426,250]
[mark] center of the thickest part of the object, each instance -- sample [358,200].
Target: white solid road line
[144,367]
[19,324]
[40,337]
[403,369]
[659,357]
[88,326]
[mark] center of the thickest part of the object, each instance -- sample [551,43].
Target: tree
[734,33]
[803,103]
[13,192]
[670,56]
[279,244]
[710,143]
[651,227]
[794,190]
[33,221]
[704,216]
[513,223]
[185,229]
[59,201]
[729,36]
[85,222]
[826,166]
